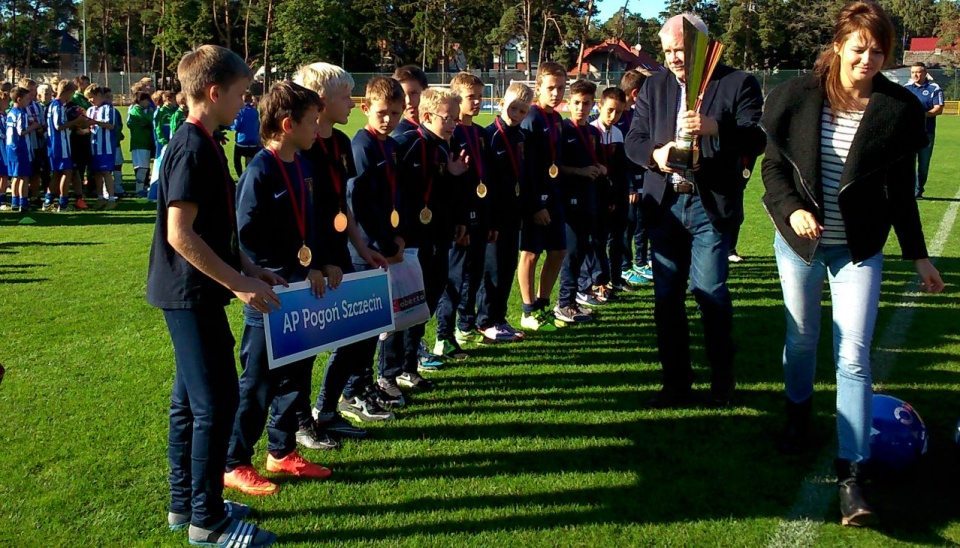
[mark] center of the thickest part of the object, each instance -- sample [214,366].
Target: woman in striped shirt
[838,173]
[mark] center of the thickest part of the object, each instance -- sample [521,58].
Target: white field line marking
[800,527]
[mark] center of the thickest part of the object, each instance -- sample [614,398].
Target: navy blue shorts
[536,238]
[102,163]
[60,164]
[19,167]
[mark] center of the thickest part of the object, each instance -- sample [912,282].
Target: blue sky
[646,8]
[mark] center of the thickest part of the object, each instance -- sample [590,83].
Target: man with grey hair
[689,213]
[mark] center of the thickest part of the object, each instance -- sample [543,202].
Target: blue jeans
[855,295]
[923,163]
[458,302]
[499,270]
[688,247]
[203,404]
[279,393]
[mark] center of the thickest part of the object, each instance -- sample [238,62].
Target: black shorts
[536,238]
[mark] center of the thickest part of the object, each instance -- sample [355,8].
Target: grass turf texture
[545,442]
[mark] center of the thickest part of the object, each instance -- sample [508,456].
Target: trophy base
[682,159]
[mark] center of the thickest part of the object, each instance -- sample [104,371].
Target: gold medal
[482,190]
[517,189]
[394,219]
[426,215]
[305,255]
[746,173]
[554,171]
[340,222]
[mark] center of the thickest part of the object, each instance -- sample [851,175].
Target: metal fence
[119,82]
[949,79]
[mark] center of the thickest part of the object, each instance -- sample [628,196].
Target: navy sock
[3,199]
[64,201]
[528,308]
[15,201]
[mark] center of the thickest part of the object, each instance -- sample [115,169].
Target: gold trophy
[700,57]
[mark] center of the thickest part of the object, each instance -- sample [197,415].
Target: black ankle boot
[795,436]
[856,512]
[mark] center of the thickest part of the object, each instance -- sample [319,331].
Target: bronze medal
[394,219]
[554,171]
[746,173]
[426,215]
[305,255]
[482,190]
[340,222]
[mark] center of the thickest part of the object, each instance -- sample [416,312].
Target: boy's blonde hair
[92,91]
[521,92]
[433,97]
[323,78]
[42,89]
[210,66]
[182,99]
[465,82]
[26,82]
[382,88]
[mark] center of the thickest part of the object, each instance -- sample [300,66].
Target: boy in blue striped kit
[118,137]
[4,176]
[35,139]
[101,116]
[19,153]
[58,145]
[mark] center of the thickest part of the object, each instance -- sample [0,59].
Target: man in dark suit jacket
[689,213]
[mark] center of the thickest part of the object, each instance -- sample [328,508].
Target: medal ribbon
[299,213]
[223,165]
[334,166]
[586,142]
[513,158]
[474,147]
[605,147]
[391,176]
[423,165]
[548,122]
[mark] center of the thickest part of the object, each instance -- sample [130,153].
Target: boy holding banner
[373,198]
[275,214]
[332,161]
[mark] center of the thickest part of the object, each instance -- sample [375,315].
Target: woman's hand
[805,224]
[930,280]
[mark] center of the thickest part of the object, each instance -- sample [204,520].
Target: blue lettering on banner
[306,325]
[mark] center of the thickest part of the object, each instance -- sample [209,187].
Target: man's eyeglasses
[445,119]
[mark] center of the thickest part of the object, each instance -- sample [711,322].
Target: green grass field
[546,442]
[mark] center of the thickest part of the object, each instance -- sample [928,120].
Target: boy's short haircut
[19,93]
[167,94]
[411,72]
[247,97]
[583,87]
[433,97]
[107,90]
[79,80]
[42,88]
[210,66]
[550,69]
[382,88]
[157,96]
[633,79]
[142,96]
[181,98]
[324,78]
[6,86]
[614,93]
[284,100]
[26,82]
[92,91]
[465,82]
[521,92]
[65,86]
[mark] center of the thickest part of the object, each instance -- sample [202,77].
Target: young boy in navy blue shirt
[246,143]
[414,82]
[580,176]
[506,166]
[428,170]
[332,160]
[373,195]
[634,266]
[457,310]
[542,229]
[277,230]
[196,267]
